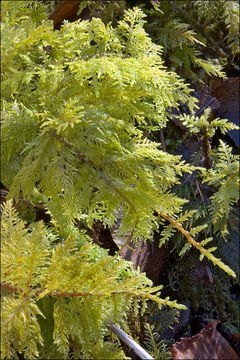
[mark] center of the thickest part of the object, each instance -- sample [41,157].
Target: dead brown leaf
[207,344]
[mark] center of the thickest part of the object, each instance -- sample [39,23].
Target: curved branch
[205,252]
[138,293]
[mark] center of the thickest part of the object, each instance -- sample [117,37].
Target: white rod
[128,340]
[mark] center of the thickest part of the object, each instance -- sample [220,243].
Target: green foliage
[226,12]
[161,320]
[87,292]
[215,298]
[231,13]
[193,32]
[155,345]
[197,124]
[224,176]
[169,230]
[77,110]
[76,100]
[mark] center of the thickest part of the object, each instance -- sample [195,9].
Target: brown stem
[162,140]
[79,155]
[206,149]
[117,7]
[70,294]
[11,288]
[181,229]
[205,252]
[199,190]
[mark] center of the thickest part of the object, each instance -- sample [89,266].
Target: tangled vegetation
[78,104]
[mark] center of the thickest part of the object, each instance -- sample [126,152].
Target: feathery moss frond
[89,290]
[224,175]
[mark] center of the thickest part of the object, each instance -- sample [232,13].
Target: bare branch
[117,7]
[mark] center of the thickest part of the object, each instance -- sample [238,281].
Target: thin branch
[206,149]
[162,140]
[187,235]
[79,155]
[212,101]
[205,252]
[11,288]
[200,192]
[70,294]
[117,7]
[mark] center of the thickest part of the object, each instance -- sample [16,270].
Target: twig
[206,149]
[208,103]
[205,252]
[11,288]
[128,340]
[80,155]
[162,140]
[199,190]
[117,7]
[70,294]
[183,231]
